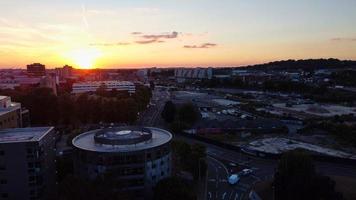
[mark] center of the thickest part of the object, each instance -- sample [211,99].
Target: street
[151,116]
[223,162]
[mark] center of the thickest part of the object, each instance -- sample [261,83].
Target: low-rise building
[92,86]
[11,113]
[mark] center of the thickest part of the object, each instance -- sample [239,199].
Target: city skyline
[110,34]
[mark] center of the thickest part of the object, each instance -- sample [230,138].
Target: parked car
[246,172]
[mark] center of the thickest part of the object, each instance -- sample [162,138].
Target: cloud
[172,35]
[343,39]
[149,41]
[202,46]
[110,44]
[156,38]
[136,33]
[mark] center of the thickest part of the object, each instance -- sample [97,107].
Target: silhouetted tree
[296,179]
[188,114]
[190,157]
[173,188]
[169,112]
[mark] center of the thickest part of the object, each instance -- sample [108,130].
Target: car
[233,179]
[246,172]
[233,164]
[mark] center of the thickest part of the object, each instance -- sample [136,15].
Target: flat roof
[87,142]
[34,134]
[3,97]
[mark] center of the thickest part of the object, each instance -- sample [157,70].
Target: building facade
[64,72]
[92,86]
[137,156]
[185,74]
[27,163]
[11,113]
[36,69]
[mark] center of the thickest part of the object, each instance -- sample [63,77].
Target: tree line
[296,178]
[67,109]
[180,118]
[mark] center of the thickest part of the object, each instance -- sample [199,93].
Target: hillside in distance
[308,64]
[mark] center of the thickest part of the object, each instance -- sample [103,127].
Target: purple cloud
[202,46]
[136,33]
[343,39]
[110,44]
[156,38]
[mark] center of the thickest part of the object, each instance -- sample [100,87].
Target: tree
[102,91]
[173,188]
[190,158]
[296,179]
[188,114]
[42,104]
[66,105]
[142,97]
[169,112]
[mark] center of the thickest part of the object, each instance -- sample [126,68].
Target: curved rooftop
[122,139]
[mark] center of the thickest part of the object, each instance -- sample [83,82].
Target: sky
[173,33]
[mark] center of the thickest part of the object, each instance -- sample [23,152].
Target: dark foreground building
[27,163]
[138,157]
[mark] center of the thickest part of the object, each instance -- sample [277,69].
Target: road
[152,115]
[220,166]
[221,161]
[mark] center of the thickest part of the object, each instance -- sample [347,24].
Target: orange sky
[114,34]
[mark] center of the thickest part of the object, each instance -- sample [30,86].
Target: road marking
[236,196]
[223,196]
[227,171]
[232,192]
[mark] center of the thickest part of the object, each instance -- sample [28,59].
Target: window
[4,195]
[3,181]
[2,152]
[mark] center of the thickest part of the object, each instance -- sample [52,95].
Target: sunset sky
[164,33]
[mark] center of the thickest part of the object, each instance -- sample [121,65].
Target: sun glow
[84,58]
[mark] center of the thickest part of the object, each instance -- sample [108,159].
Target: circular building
[138,157]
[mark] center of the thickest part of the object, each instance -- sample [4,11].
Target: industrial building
[137,156]
[27,163]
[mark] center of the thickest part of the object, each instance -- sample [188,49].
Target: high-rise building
[27,163]
[138,157]
[36,69]
[50,81]
[64,72]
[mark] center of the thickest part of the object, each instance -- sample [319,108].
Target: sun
[84,58]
